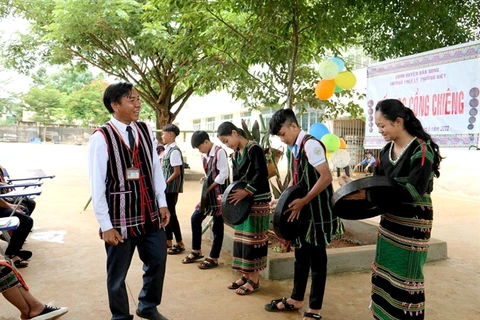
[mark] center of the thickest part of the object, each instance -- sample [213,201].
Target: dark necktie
[131,139]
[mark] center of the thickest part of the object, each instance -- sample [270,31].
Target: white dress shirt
[175,157]
[222,164]
[313,149]
[97,172]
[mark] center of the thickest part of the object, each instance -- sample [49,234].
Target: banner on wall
[442,87]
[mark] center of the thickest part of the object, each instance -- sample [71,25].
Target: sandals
[192,257]
[272,306]
[20,263]
[24,254]
[208,264]
[235,285]
[176,249]
[246,291]
[312,315]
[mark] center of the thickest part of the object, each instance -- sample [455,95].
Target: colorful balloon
[325,89]
[331,142]
[345,80]
[318,130]
[338,89]
[328,70]
[343,144]
[339,62]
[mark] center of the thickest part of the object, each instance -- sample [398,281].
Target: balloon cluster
[334,78]
[336,147]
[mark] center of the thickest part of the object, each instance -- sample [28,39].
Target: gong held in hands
[362,209]
[204,196]
[281,226]
[236,214]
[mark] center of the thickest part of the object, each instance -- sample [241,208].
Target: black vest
[131,203]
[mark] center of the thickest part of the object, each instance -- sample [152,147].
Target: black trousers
[346,169]
[217,230]
[152,250]
[173,228]
[21,233]
[310,257]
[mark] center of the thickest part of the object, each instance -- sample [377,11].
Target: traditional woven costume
[318,223]
[176,186]
[127,190]
[397,281]
[171,193]
[9,276]
[213,207]
[321,224]
[131,203]
[250,246]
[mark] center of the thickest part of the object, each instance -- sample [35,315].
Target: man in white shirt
[127,187]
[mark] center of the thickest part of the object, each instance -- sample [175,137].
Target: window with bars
[247,117]
[306,119]
[267,114]
[227,117]
[196,124]
[210,124]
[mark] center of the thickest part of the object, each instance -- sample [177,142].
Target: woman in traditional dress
[250,238]
[412,159]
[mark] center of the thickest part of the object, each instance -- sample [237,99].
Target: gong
[283,228]
[204,196]
[383,186]
[236,214]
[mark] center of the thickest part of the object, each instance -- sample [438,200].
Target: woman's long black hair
[392,109]
[226,128]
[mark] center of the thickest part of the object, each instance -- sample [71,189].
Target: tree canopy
[68,96]
[264,52]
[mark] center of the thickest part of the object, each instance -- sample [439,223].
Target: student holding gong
[250,238]
[309,169]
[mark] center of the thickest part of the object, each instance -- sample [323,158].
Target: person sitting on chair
[15,290]
[368,162]
[14,250]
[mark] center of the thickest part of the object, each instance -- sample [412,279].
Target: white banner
[442,87]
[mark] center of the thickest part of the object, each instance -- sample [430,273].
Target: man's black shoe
[151,316]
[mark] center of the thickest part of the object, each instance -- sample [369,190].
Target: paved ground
[68,266]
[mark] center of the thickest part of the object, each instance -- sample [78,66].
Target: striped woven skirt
[9,276]
[397,279]
[250,245]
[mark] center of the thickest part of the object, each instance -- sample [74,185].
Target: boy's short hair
[368,152]
[199,137]
[281,117]
[115,92]
[171,128]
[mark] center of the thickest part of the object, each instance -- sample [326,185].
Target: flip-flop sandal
[235,285]
[176,249]
[273,305]
[24,254]
[208,264]
[196,256]
[19,263]
[312,315]
[246,291]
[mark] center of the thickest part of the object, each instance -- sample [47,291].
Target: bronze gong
[236,214]
[283,228]
[383,186]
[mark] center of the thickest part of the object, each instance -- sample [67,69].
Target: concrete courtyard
[68,266]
